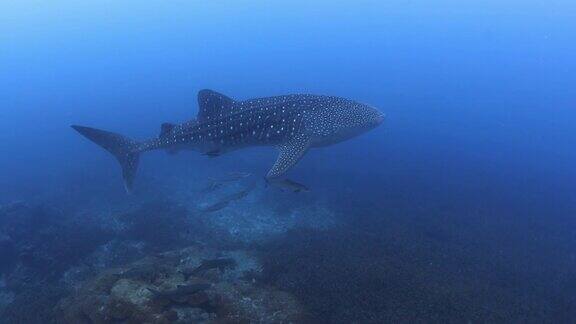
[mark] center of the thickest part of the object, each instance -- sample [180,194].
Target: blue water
[468,187]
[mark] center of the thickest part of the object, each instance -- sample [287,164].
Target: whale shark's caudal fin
[125,150]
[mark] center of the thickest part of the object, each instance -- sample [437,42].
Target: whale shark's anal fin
[290,153]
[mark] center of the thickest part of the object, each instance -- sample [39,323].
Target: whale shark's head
[370,116]
[339,119]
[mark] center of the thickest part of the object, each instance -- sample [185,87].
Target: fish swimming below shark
[287,184]
[215,184]
[225,201]
[292,123]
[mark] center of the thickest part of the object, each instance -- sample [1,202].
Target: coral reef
[101,264]
[262,215]
[8,254]
[157,290]
[42,243]
[6,297]
[34,305]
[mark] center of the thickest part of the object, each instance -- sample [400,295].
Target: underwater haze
[459,207]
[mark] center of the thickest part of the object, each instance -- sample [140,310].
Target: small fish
[241,194]
[216,207]
[181,293]
[235,176]
[224,202]
[287,184]
[216,184]
[212,186]
[219,263]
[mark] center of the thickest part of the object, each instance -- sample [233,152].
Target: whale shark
[291,123]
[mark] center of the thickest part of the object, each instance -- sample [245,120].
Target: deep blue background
[480,98]
[473,92]
[471,176]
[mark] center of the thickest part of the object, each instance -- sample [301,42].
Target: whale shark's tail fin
[125,150]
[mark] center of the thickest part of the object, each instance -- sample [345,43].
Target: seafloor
[228,249]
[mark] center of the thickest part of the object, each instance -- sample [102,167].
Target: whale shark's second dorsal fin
[212,104]
[166,129]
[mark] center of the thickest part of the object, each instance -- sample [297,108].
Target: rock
[120,310]
[222,296]
[198,299]
[131,292]
[171,316]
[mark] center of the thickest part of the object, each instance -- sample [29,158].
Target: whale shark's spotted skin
[293,123]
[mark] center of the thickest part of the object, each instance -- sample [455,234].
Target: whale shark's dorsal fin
[213,105]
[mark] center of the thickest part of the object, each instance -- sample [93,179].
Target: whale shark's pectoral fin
[290,153]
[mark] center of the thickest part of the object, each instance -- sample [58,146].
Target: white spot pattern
[224,124]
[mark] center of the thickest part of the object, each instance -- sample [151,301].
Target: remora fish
[292,123]
[233,176]
[216,206]
[224,202]
[288,185]
[230,177]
